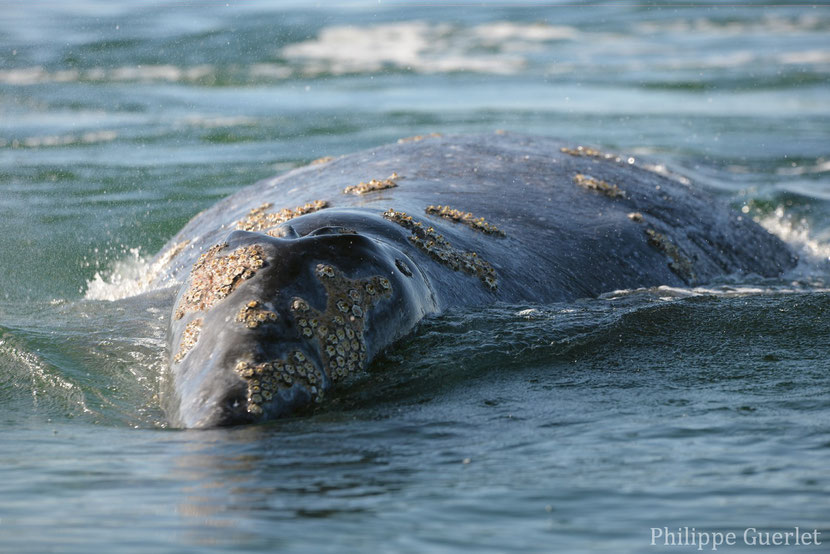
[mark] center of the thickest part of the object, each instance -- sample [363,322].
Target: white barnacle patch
[190,337]
[258,219]
[588,152]
[679,263]
[440,249]
[418,138]
[591,183]
[465,218]
[323,160]
[252,315]
[214,277]
[325,271]
[266,379]
[373,185]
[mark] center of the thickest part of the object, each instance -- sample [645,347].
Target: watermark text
[750,536]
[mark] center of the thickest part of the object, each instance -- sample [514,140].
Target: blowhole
[403,267]
[332,230]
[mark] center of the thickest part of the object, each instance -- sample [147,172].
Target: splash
[127,277]
[797,233]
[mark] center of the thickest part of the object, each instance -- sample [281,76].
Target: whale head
[266,324]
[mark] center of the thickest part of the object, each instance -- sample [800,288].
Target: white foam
[808,57]
[498,33]
[662,169]
[666,293]
[138,73]
[369,49]
[727,60]
[767,25]
[36,75]
[270,71]
[169,73]
[133,274]
[423,47]
[92,137]
[215,122]
[821,166]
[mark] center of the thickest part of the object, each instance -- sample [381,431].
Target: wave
[28,379]
[100,363]
[138,73]
[416,46]
[822,165]
[91,137]
[667,293]
[767,25]
[806,57]
[217,122]
[425,47]
[497,47]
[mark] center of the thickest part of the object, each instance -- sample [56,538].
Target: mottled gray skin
[562,241]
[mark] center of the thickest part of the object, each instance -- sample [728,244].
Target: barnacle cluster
[373,185]
[340,328]
[214,277]
[338,331]
[323,160]
[591,183]
[258,219]
[439,248]
[583,151]
[265,379]
[468,219]
[189,338]
[588,152]
[252,315]
[418,138]
[679,263]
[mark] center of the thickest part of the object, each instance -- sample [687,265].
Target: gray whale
[299,281]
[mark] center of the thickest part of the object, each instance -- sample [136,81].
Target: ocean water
[579,427]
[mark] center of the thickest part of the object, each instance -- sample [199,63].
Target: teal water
[576,427]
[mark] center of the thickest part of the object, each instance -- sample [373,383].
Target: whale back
[572,221]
